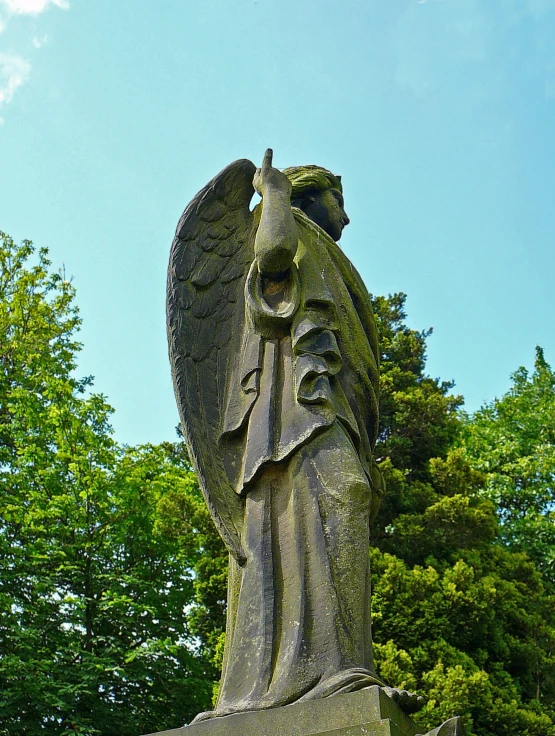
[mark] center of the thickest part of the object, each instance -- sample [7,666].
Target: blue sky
[438,114]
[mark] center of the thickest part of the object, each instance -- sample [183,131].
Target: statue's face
[326,209]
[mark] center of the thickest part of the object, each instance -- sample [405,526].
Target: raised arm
[276,238]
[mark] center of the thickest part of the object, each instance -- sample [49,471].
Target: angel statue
[274,357]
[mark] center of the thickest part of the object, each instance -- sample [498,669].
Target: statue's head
[319,194]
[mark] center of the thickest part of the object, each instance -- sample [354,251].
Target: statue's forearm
[276,238]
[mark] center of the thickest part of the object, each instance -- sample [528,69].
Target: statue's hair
[311,179]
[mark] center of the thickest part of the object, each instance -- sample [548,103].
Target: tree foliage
[457,615]
[511,441]
[94,636]
[113,579]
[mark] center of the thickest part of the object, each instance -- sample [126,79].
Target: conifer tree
[457,615]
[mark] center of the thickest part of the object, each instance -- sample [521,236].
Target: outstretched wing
[209,259]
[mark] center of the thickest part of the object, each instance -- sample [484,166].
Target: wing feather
[209,259]
[208,269]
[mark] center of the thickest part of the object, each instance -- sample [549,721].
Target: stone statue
[275,359]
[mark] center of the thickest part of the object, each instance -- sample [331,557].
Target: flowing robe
[299,428]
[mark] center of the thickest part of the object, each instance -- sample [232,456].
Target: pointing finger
[266,164]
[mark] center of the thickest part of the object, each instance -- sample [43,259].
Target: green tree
[511,441]
[113,584]
[183,515]
[457,615]
[94,636]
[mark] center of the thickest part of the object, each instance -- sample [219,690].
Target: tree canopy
[113,579]
[94,633]
[459,614]
[511,441]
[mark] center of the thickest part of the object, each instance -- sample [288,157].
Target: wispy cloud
[31,7]
[39,41]
[14,71]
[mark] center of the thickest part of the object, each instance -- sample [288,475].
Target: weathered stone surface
[370,712]
[275,361]
[275,357]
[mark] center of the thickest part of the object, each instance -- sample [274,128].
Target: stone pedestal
[368,712]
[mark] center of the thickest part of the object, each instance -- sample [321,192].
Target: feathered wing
[210,256]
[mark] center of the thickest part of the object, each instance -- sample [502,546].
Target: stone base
[368,712]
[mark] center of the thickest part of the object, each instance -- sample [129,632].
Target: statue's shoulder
[318,241]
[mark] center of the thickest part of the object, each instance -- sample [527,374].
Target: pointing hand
[267,178]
